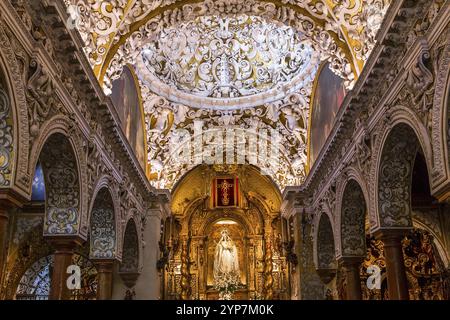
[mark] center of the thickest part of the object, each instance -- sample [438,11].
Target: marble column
[148,284]
[351,267]
[395,265]
[105,279]
[62,259]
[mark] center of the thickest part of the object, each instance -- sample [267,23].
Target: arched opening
[326,258]
[326,100]
[35,282]
[38,186]
[6,136]
[420,185]
[129,267]
[353,217]
[232,207]
[405,206]
[395,174]
[353,241]
[62,186]
[103,227]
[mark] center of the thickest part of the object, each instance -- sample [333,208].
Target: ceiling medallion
[227,62]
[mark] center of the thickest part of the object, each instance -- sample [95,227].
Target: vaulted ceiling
[242,64]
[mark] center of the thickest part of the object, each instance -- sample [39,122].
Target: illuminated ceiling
[218,61]
[227,59]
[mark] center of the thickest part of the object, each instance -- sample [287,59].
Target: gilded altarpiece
[201,226]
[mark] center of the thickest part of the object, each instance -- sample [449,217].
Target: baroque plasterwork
[103,230]
[441,53]
[360,142]
[9,49]
[6,139]
[115,32]
[219,62]
[106,25]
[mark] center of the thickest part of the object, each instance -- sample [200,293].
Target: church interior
[224,150]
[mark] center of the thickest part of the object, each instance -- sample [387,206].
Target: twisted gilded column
[185,276]
[268,268]
[268,264]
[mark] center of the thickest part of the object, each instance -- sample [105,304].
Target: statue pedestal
[240,294]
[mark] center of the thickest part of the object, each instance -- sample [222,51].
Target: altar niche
[239,233]
[226,260]
[245,239]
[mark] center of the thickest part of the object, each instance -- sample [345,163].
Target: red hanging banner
[225,192]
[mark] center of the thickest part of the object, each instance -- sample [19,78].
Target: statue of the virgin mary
[226,257]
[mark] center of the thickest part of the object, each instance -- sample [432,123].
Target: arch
[437,241]
[35,282]
[64,127]
[399,138]
[440,117]
[38,185]
[106,182]
[130,252]
[323,111]
[324,244]
[127,100]
[7,160]
[394,179]
[351,218]
[18,116]
[307,20]
[217,217]
[103,229]
[62,185]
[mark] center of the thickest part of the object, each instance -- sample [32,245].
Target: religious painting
[327,98]
[225,192]
[126,98]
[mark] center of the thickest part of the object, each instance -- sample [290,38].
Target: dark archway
[395,174]
[326,258]
[129,267]
[353,217]
[103,227]
[62,185]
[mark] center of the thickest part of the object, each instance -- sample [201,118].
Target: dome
[227,62]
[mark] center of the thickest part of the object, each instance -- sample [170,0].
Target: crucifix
[225,188]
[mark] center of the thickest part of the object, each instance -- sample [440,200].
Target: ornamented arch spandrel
[20,176]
